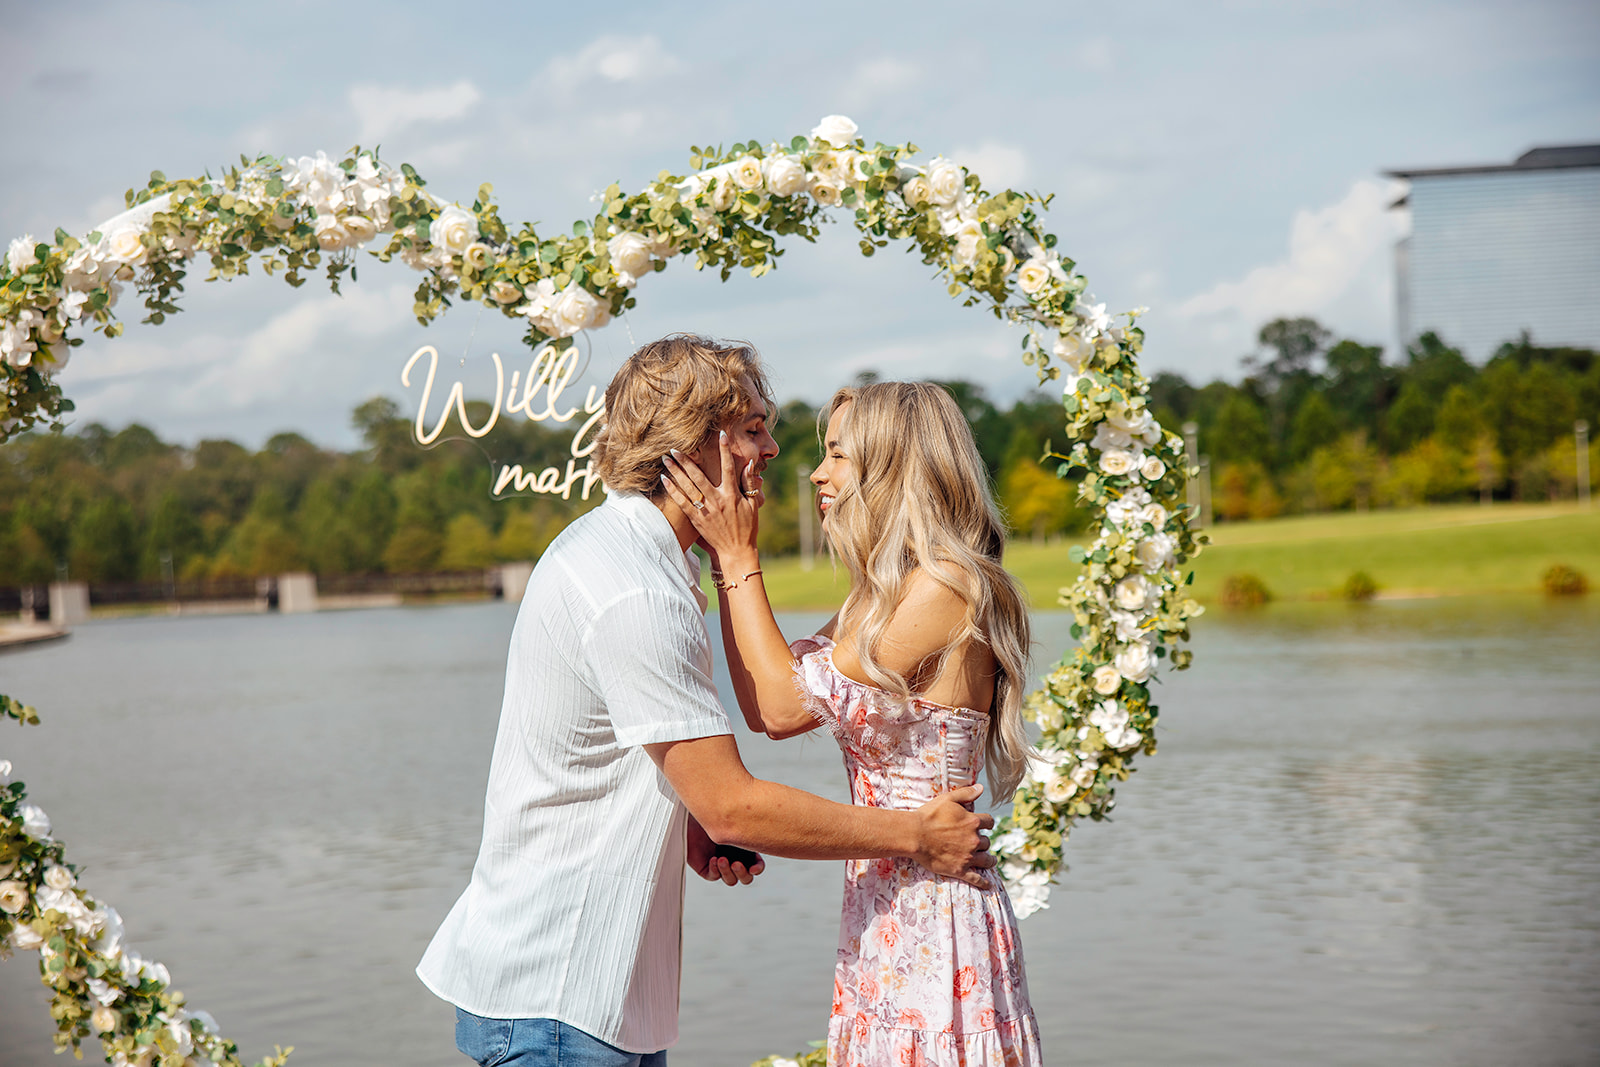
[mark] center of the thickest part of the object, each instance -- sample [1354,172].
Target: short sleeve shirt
[575,907]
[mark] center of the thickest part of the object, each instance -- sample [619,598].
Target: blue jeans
[540,1043]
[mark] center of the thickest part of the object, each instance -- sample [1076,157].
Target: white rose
[5,768]
[24,937]
[747,173]
[331,235]
[453,230]
[829,167]
[1132,592]
[1106,680]
[124,244]
[1153,469]
[1154,514]
[103,991]
[826,193]
[1083,774]
[1116,462]
[59,877]
[1034,276]
[477,256]
[969,239]
[785,175]
[505,292]
[1135,662]
[1060,790]
[104,1019]
[835,130]
[574,309]
[945,182]
[1130,420]
[13,896]
[35,822]
[20,255]
[916,191]
[630,257]
[723,193]
[1155,552]
[1073,350]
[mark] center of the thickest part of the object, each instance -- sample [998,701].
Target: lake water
[1372,835]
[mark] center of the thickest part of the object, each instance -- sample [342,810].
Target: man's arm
[737,808]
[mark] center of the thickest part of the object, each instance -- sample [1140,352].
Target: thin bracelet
[726,584]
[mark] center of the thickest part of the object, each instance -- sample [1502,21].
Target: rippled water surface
[1372,835]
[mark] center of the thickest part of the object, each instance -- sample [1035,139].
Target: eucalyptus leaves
[312,213]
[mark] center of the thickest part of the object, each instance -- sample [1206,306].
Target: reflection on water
[1370,837]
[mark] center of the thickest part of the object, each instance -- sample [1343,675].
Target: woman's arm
[759,660]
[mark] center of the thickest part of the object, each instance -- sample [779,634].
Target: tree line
[1321,425]
[1312,425]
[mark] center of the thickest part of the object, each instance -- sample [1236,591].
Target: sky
[1221,164]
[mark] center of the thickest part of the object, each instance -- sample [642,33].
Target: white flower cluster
[33,890]
[351,209]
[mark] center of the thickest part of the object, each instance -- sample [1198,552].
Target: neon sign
[551,373]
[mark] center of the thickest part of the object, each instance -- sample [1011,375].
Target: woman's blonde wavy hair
[670,394]
[921,499]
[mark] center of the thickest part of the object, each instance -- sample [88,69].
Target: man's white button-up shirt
[575,907]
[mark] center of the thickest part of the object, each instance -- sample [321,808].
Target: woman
[918,676]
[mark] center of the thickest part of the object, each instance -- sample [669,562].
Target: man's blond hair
[670,394]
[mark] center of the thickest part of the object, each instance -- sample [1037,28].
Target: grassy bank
[1442,551]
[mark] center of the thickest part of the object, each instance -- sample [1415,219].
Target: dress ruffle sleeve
[815,680]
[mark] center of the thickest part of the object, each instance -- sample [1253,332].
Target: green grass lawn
[1441,551]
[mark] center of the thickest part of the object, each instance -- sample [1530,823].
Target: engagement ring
[699,505]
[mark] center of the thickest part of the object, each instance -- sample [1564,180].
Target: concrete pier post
[69,603]
[514,580]
[297,593]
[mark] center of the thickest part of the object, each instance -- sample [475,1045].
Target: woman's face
[835,472]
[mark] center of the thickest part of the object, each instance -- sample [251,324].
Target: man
[566,945]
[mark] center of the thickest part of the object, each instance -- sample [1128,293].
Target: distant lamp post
[1191,460]
[803,496]
[1580,431]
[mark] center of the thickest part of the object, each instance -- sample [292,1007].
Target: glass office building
[1498,250]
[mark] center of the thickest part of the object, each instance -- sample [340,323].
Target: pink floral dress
[929,969]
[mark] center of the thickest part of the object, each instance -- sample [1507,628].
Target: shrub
[1359,586]
[1562,580]
[1244,591]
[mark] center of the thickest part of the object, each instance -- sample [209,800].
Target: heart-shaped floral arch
[1131,611]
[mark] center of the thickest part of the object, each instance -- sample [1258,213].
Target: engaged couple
[615,764]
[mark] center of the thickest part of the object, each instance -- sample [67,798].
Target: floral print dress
[929,970]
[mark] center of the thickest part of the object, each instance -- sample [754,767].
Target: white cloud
[615,59]
[383,109]
[1096,55]
[1001,166]
[1338,268]
[873,79]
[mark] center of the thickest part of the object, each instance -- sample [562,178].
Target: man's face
[748,438]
